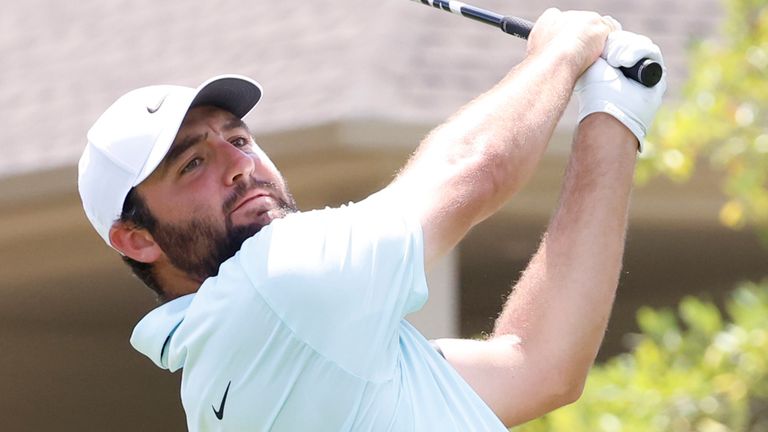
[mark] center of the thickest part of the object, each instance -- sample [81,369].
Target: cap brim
[234,93]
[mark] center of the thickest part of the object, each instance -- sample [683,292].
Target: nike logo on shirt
[220,412]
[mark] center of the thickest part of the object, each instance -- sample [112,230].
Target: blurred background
[351,87]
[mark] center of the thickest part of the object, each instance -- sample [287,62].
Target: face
[214,189]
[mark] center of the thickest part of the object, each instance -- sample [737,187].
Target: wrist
[561,60]
[609,129]
[615,113]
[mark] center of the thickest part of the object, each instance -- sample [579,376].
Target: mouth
[254,198]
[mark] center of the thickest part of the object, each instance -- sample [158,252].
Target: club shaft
[511,25]
[645,71]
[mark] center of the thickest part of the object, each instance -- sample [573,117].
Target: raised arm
[548,334]
[470,166]
[551,327]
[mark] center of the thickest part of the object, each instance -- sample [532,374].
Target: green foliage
[722,118]
[689,371]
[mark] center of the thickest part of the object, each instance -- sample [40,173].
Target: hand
[603,88]
[580,36]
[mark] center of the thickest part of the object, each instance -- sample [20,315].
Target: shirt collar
[151,334]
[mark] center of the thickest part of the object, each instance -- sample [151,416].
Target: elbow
[572,391]
[570,388]
[568,385]
[575,366]
[565,390]
[551,396]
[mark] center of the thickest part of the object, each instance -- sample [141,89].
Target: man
[283,320]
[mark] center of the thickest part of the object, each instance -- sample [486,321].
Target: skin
[214,180]
[548,333]
[547,336]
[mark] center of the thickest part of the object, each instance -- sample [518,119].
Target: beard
[199,246]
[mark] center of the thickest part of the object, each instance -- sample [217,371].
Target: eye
[194,163]
[240,142]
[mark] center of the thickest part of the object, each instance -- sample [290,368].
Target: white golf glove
[603,88]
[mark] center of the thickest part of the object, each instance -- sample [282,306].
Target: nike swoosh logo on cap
[220,412]
[157,107]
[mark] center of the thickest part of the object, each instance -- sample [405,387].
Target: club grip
[517,27]
[647,72]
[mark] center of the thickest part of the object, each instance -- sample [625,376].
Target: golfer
[294,321]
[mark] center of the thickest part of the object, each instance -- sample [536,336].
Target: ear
[135,243]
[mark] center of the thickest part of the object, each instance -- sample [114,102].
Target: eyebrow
[236,123]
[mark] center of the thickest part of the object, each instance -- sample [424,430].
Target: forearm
[471,165]
[560,306]
[513,121]
[505,130]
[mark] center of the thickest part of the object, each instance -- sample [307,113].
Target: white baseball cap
[131,138]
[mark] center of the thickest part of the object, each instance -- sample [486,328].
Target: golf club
[646,71]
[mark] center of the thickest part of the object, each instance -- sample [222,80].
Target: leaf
[701,317]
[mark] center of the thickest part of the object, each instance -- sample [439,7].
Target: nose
[237,163]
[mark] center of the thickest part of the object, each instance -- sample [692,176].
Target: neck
[175,282]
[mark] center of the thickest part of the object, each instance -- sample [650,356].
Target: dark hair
[136,213]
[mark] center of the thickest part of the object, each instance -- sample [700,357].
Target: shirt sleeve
[342,279]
